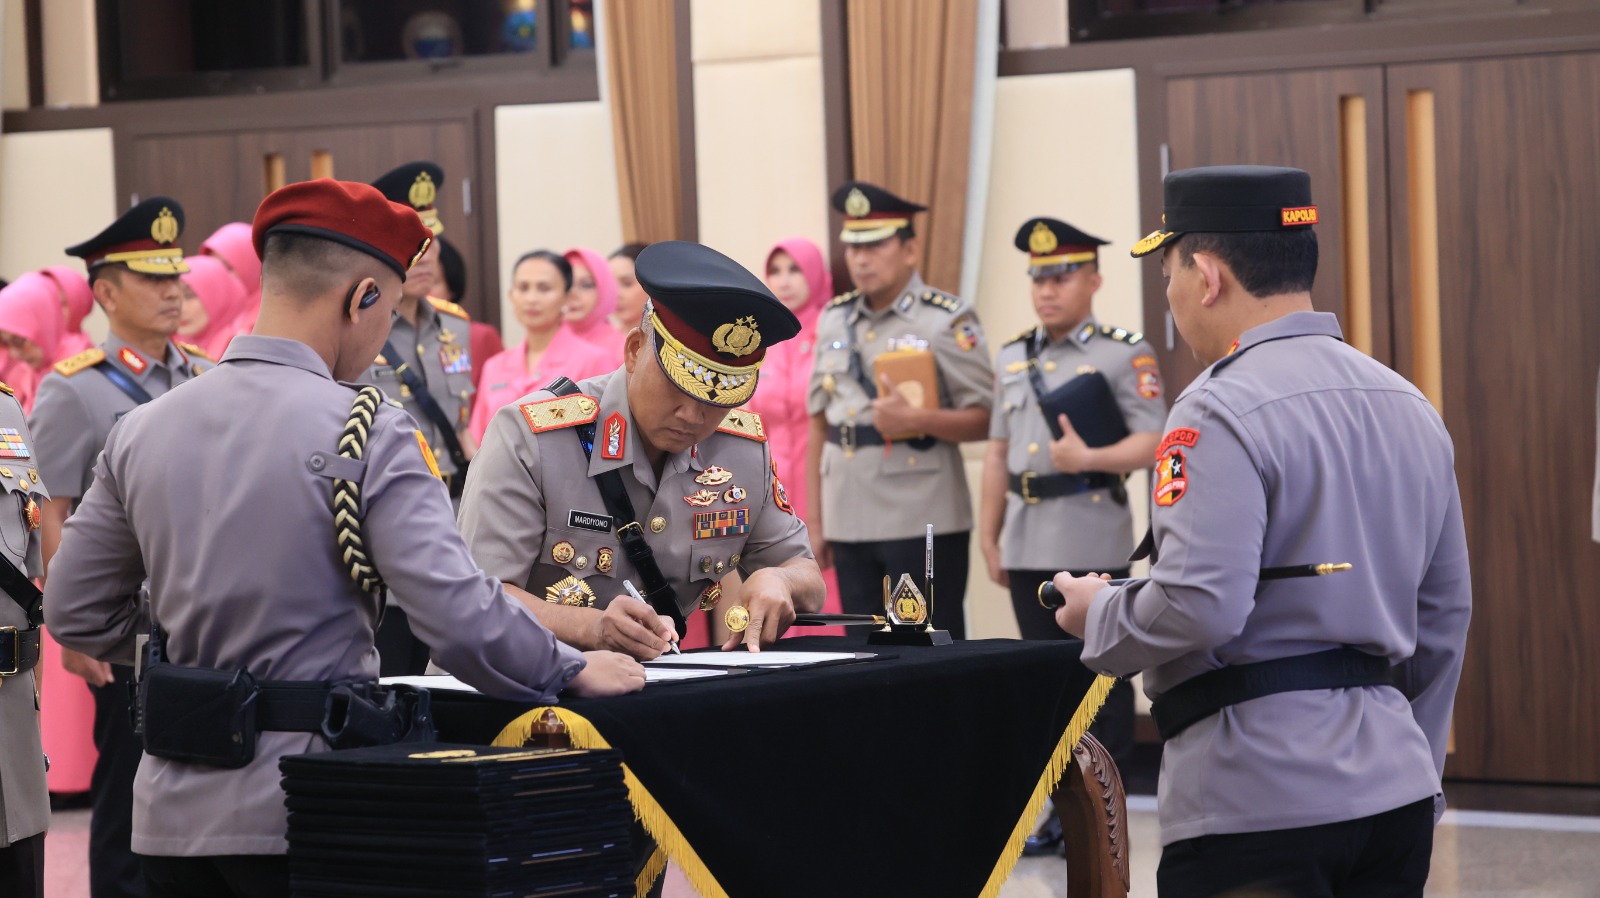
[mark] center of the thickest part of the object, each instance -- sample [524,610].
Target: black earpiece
[368,299]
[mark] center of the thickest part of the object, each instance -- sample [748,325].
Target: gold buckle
[16,652]
[634,524]
[1028,477]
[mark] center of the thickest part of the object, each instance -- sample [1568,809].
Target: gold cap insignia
[421,251]
[856,204]
[737,339]
[423,192]
[1042,240]
[165,228]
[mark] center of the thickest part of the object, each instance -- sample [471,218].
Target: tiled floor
[1477,854]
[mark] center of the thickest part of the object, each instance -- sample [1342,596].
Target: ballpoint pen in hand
[672,645]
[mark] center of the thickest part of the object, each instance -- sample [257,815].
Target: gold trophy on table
[909,613]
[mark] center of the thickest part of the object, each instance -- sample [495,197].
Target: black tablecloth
[907,775]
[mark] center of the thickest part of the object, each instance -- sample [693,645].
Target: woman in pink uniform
[540,284]
[211,318]
[77,301]
[233,244]
[31,327]
[591,300]
[798,275]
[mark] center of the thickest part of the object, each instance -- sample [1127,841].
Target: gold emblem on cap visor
[165,228]
[1042,240]
[857,204]
[738,339]
[423,192]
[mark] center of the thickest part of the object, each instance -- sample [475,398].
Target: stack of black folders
[430,819]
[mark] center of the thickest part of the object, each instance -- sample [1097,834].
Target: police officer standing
[880,492]
[651,474]
[1053,498]
[1297,760]
[133,270]
[24,800]
[316,495]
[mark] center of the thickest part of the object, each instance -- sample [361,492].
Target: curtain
[642,65]
[911,66]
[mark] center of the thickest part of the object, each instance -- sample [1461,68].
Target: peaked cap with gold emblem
[1231,199]
[872,213]
[415,184]
[713,319]
[1055,247]
[144,238]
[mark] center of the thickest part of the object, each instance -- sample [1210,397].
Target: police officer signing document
[266,541]
[651,474]
[1296,760]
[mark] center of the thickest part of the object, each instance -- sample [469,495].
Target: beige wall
[1080,167]
[760,153]
[57,188]
[71,71]
[557,185]
[13,55]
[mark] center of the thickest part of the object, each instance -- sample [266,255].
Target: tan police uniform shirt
[1089,530]
[24,801]
[875,494]
[235,532]
[439,349]
[77,405]
[533,515]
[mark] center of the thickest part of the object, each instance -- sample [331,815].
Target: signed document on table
[768,658]
[447,683]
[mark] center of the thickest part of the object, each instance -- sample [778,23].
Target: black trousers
[22,868]
[1114,725]
[1383,856]
[220,876]
[862,567]
[400,652]
[113,867]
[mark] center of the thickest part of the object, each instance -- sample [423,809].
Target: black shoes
[1046,840]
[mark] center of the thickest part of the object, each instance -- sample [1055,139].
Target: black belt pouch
[199,715]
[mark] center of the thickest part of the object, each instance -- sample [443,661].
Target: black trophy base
[909,636]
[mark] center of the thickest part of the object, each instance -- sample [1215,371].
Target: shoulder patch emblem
[1144,361]
[1178,436]
[744,424]
[843,298]
[191,349]
[1172,477]
[965,327]
[560,411]
[80,362]
[1120,334]
[448,307]
[940,300]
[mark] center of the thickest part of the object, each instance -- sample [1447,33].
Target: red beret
[356,215]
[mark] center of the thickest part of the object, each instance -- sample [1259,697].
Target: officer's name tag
[586,520]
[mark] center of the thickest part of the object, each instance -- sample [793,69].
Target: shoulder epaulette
[80,362]
[1026,334]
[194,350]
[743,424]
[559,411]
[448,307]
[940,300]
[843,298]
[1120,334]
[7,390]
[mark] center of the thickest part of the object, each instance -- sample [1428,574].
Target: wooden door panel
[1293,119]
[1515,147]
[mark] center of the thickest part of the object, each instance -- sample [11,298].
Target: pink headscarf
[224,299]
[233,244]
[80,298]
[595,328]
[818,278]
[31,309]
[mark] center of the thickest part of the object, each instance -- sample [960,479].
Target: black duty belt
[291,706]
[19,650]
[1195,699]
[850,436]
[1034,488]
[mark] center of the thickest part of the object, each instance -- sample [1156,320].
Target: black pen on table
[672,645]
[1050,597]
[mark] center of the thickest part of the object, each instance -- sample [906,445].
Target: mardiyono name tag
[588,520]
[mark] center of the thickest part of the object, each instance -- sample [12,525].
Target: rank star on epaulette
[940,300]
[83,361]
[745,424]
[1025,334]
[1120,334]
[191,349]
[559,412]
[843,298]
[7,390]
